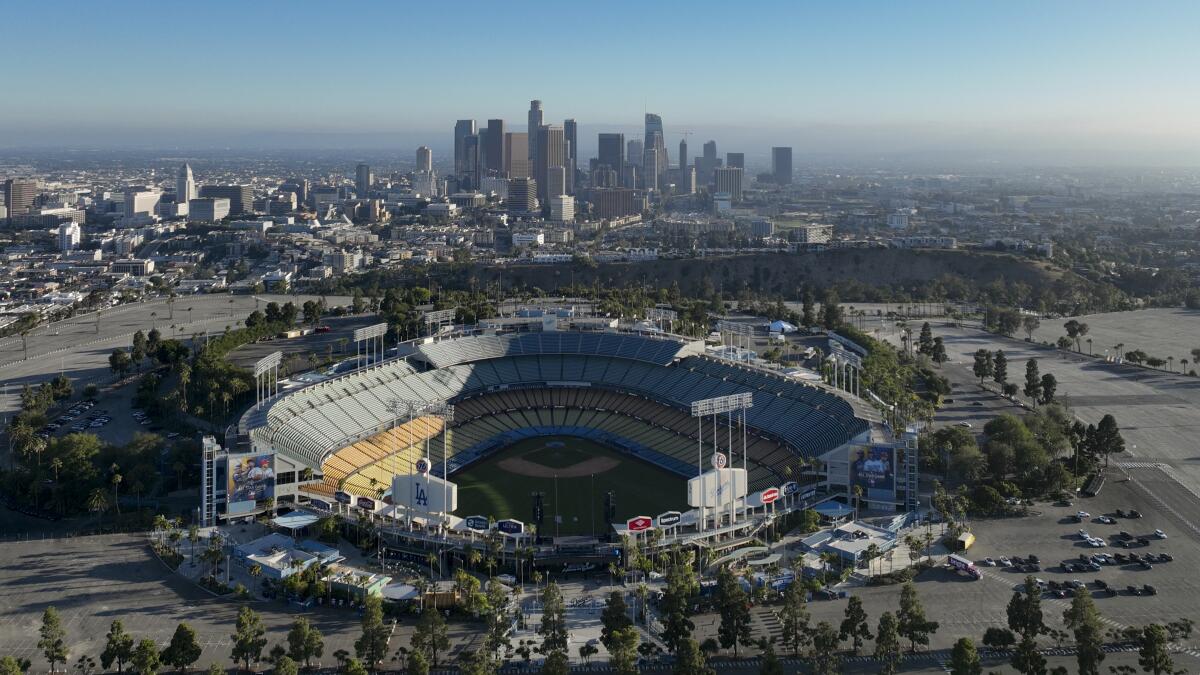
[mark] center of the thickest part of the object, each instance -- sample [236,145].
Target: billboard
[763,497]
[874,468]
[510,526]
[639,523]
[366,503]
[712,487]
[668,519]
[425,493]
[249,479]
[477,523]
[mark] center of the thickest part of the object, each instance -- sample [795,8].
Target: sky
[1090,82]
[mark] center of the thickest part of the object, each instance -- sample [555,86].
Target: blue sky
[1073,73]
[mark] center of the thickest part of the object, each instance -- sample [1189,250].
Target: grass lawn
[641,489]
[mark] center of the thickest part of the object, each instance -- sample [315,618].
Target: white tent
[782,326]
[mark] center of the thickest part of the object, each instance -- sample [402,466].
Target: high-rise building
[683,156]
[241,197]
[551,148]
[735,160]
[469,177]
[728,180]
[494,146]
[462,129]
[141,206]
[185,185]
[535,123]
[68,237]
[516,155]
[571,138]
[362,180]
[650,175]
[522,195]
[556,181]
[655,138]
[633,151]
[298,185]
[781,165]
[612,151]
[424,159]
[562,208]
[706,163]
[208,209]
[614,202]
[19,195]
[629,175]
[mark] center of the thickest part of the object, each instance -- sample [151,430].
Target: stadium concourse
[630,392]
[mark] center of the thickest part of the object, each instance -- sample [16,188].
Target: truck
[964,566]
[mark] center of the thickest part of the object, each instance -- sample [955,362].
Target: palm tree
[56,465]
[116,481]
[858,494]
[97,503]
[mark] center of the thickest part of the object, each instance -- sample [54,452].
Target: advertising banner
[249,480]
[874,468]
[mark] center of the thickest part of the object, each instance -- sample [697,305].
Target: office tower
[425,183]
[241,197]
[655,138]
[612,151]
[687,181]
[633,152]
[19,195]
[683,156]
[735,160]
[728,180]
[362,180]
[707,163]
[629,175]
[185,185]
[551,148]
[650,168]
[297,185]
[613,202]
[471,162]
[710,150]
[556,181]
[424,159]
[781,165]
[516,155]
[562,208]
[522,195]
[535,123]
[494,150]
[571,138]
[462,129]
[68,237]
[604,177]
[207,209]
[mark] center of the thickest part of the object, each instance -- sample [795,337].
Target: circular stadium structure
[578,405]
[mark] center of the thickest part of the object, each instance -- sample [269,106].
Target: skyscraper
[781,165]
[424,159]
[735,160]
[462,129]
[516,155]
[650,175]
[706,163]
[522,195]
[494,146]
[19,195]
[683,156]
[633,152]
[535,123]
[185,185]
[728,180]
[241,197]
[362,180]
[471,167]
[612,151]
[571,138]
[654,138]
[551,148]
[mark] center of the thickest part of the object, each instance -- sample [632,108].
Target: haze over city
[1040,83]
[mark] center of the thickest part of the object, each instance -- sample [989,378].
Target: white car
[1096,542]
[1005,562]
[988,562]
[965,425]
[1083,515]
[1083,534]
[1160,534]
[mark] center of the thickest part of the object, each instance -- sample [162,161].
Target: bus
[964,566]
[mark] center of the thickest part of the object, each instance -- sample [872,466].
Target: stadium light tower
[414,409]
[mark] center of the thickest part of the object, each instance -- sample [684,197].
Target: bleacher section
[367,466]
[579,372]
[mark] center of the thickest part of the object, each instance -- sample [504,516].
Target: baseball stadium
[596,426]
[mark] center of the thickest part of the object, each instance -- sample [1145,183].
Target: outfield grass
[641,489]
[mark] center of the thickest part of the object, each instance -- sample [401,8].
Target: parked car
[1160,534]
[1106,520]
[1149,590]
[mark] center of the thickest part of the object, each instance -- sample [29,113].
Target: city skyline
[1012,83]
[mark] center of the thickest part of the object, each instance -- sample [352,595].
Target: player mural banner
[249,480]
[874,468]
[425,493]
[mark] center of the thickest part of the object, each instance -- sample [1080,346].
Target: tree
[553,628]
[939,354]
[854,626]
[964,660]
[1033,381]
[1049,385]
[911,621]
[430,637]
[286,666]
[183,649]
[146,659]
[887,644]
[118,362]
[825,659]
[1083,619]
[215,669]
[1000,367]
[794,617]
[556,663]
[689,660]
[118,647]
[354,667]
[734,609]
[53,638]
[998,638]
[1027,659]
[1030,323]
[372,646]
[11,666]
[770,662]
[248,638]
[614,617]
[305,642]
[417,664]
[1107,440]
[1025,611]
[676,604]
[1153,654]
[925,340]
[983,364]
[623,649]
